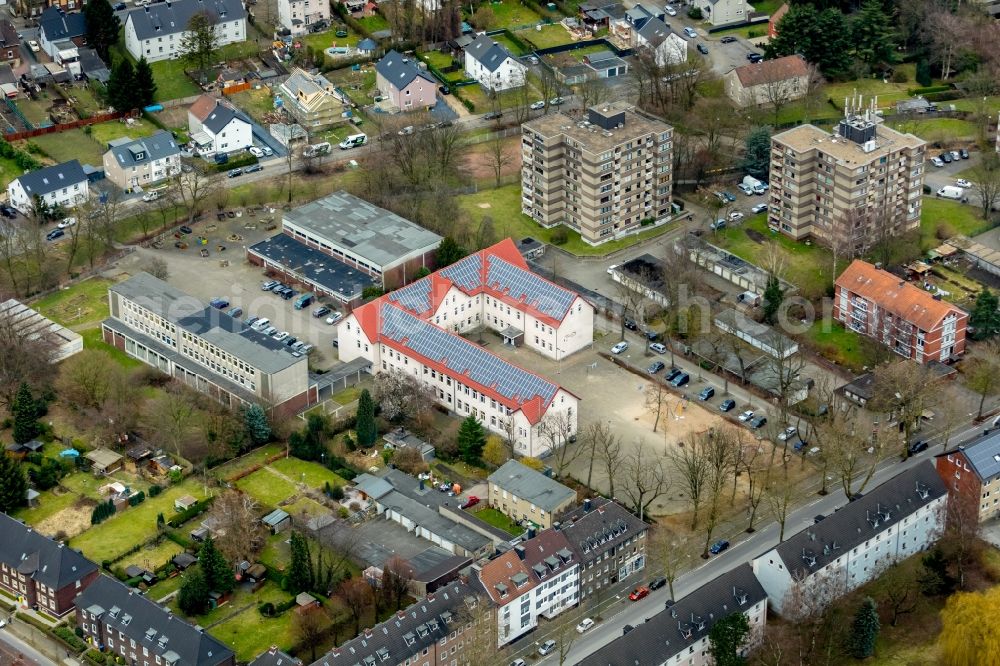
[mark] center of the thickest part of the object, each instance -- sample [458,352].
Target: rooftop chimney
[519,549]
[587,505]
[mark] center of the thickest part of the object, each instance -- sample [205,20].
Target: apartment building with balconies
[605,176]
[846,189]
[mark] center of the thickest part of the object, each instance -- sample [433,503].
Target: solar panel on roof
[520,284]
[415,297]
[465,273]
[463,358]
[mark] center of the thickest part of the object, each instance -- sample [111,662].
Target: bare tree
[23,358]
[985,179]
[611,455]
[498,156]
[643,476]
[396,578]
[310,627]
[658,399]
[900,592]
[851,451]
[478,629]
[670,555]
[556,428]
[982,372]
[171,417]
[722,450]
[402,396]
[693,468]
[356,595]
[777,94]
[778,497]
[904,390]
[193,189]
[592,92]
[595,438]
[85,378]
[240,535]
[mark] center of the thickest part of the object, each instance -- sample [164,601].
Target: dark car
[706,393]
[964,154]
[219,303]
[680,380]
[8,211]
[758,423]
[235,172]
[672,375]
[627,628]
[729,39]
[702,49]
[800,445]
[754,57]
[729,196]
[818,519]
[492,115]
[918,446]
[718,547]
[727,405]
[631,325]
[254,168]
[185,229]
[119,6]
[655,367]
[652,336]
[444,90]
[54,234]
[221,158]
[657,583]
[946,157]
[289,341]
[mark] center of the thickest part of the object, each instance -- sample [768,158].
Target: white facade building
[415,330]
[157,31]
[216,127]
[903,516]
[64,185]
[493,65]
[298,15]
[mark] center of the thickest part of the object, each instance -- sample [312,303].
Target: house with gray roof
[601,529]
[206,348]
[522,493]
[275,657]
[157,31]
[895,520]
[63,185]
[405,82]
[380,243]
[133,164]
[92,67]
[667,46]
[120,621]
[39,571]
[59,35]
[216,126]
[972,474]
[493,65]
[679,633]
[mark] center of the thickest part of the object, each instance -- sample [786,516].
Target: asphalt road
[12,647]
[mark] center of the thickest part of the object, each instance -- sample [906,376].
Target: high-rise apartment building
[604,176]
[848,188]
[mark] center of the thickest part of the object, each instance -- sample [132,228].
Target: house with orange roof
[417,330]
[909,320]
[776,81]
[538,577]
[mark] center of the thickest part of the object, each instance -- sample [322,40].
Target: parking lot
[226,274]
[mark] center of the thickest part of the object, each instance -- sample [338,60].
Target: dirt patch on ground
[477,162]
[71,521]
[755,236]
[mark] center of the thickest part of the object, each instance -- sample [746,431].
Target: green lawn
[165,587]
[250,633]
[936,129]
[85,303]
[277,551]
[8,171]
[134,525]
[507,42]
[151,558]
[550,35]
[511,14]
[92,339]
[102,133]
[437,59]
[254,102]
[36,110]
[959,218]
[255,457]
[499,520]
[312,474]
[745,31]
[836,343]
[266,488]
[347,396]
[374,23]
[324,40]
[49,504]
[504,206]
[72,144]
[171,81]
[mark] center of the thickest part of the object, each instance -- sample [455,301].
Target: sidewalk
[45,649]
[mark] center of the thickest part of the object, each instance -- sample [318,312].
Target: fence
[239,87]
[585,43]
[62,127]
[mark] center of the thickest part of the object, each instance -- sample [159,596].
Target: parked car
[406,131]
[281,336]
[652,336]
[444,90]
[492,115]
[585,624]
[788,433]
[955,155]
[946,158]
[754,57]
[219,303]
[800,446]
[759,208]
[290,341]
[736,216]
[963,153]
[937,161]
[717,225]
[151,196]
[745,189]
[630,324]
[680,380]
[655,367]
[233,173]
[706,393]
[758,423]
[746,416]
[918,446]
[728,39]
[267,151]
[657,583]
[518,662]
[619,348]
[269,330]
[729,197]
[185,229]
[321,311]
[638,593]
[672,374]
[727,405]
[260,324]
[250,321]
[718,547]
[54,234]
[670,11]
[334,318]
[470,502]
[690,32]
[556,101]
[546,647]
[963,183]
[254,168]
[255,151]
[66,222]
[540,104]
[8,211]
[702,49]
[658,347]
[33,45]
[818,519]
[236,312]
[119,7]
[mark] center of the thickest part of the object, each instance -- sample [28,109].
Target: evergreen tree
[821,37]
[726,639]
[864,630]
[25,413]
[773,295]
[448,252]
[985,318]
[193,595]
[471,440]
[757,157]
[218,573]
[120,86]
[298,578]
[936,580]
[256,425]
[145,85]
[200,41]
[365,426]
[13,484]
[102,27]
[924,77]
[874,38]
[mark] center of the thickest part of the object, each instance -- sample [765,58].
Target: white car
[255,151]
[267,151]
[281,336]
[66,223]
[556,101]
[963,183]
[670,10]
[535,106]
[759,208]
[619,348]
[658,347]
[33,45]
[745,189]
[938,162]
[736,216]
[585,624]
[746,416]
[690,32]
[334,318]
[788,433]
[150,196]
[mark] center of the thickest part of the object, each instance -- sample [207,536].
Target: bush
[944,231]
[944,96]
[695,13]
[155,490]
[196,509]
[559,236]
[137,499]
[95,657]
[468,105]
[66,635]
[266,609]
[928,89]
[900,76]
[753,33]
[337,493]
[240,160]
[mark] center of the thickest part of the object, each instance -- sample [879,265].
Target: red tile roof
[771,71]
[895,295]
[202,107]
[500,572]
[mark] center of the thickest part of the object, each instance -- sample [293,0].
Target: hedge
[944,96]
[33,621]
[196,509]
[245,159]
[95,657]
[928,89]
[178,539]
[66,635]
[517,41]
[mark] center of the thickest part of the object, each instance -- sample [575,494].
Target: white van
[951,192]
[316,149]
[353,141]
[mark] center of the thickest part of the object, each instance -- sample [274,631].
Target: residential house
[609,540]
[92,67]
[493,65]
[522,493]
[859,390]
[218,127]
[627,23]
[405,83]
[605,65]
[724,12]
[64,185]
[298,15]
[120,621]
[104,461]
[679,633]
[667,46]
[312,99]
[141,163]
[773,82]
[855,544]
[417,330]
[10,44]
[157,31]
[538,577]
[972,475]
[275,657]
[60,35]
[910,321]
[401,438]
[39,572]
[432,632]
[775,19]
[277,521]
[27,323]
